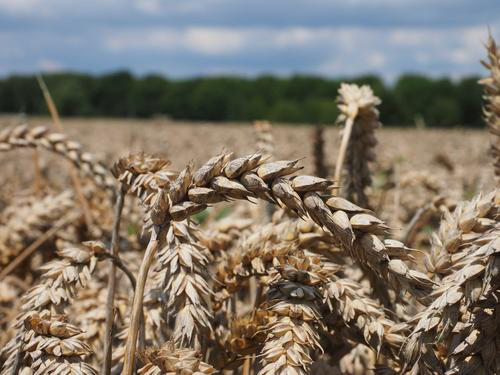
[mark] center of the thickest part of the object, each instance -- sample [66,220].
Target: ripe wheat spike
[360,117]
[491,109]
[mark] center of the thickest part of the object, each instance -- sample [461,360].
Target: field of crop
[181,142]
[159,247]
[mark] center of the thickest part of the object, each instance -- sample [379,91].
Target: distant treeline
[297,99]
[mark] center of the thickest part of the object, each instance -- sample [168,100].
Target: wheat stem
[129,361]
[115,248]
[35,245]
[74,176]
[343,149]
[38,174]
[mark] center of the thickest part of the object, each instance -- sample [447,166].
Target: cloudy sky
[183,38]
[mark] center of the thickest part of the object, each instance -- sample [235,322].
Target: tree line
[439,102]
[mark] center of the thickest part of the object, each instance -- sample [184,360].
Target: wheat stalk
[320,168]
[491,109]
[24,224]
[115,248]
[360,118]
[264,138]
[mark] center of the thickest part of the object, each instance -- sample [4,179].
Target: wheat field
[160,247]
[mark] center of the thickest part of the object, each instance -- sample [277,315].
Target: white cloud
[142,39]
[148,6]
[206,41]
[409,37]
[294,36]
[218,35]
[19,7]
[48,65]
[169,6]
[215,41]
[227,40]
[376,60]
[422,57]
[341,50]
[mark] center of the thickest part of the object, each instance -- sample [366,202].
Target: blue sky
[184,38]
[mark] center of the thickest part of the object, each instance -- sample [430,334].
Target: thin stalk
[397,196]
[420,219]
[119,263]
[130,349]
[115,249]
[38,174]
[68,219]
[343,149]
[246,366]
[72,170]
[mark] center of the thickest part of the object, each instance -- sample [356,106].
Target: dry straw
[320,167]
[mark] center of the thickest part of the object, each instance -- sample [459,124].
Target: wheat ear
[23,136]
[360,118]
[293,297]
[491,107]
[222,178]
[470,250]
[45,303]
[172,359]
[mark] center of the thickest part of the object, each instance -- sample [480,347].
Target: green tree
[112,95]
[150,96]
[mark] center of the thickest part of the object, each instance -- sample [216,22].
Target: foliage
[296,99]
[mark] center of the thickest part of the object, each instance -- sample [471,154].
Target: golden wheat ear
[23,136]
[360,117]
[466,297]
[44,341]
[223,178]
[491,106]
